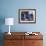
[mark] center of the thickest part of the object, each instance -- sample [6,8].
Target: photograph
[27,15]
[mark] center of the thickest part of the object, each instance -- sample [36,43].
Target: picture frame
[27,15]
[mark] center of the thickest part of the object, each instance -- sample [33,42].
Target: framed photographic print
[27,15]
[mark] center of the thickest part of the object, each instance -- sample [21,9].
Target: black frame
[30,15]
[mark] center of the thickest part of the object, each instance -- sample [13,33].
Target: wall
[9,8]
